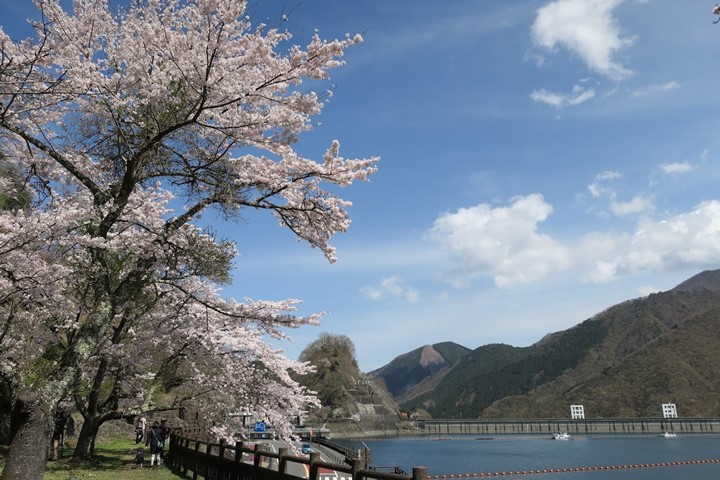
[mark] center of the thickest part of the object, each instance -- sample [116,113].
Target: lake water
[470,456]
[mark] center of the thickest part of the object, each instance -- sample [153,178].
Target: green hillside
[623,362]
[451,351]
[411,369]
[497,371]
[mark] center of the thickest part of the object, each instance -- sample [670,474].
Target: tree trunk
[27,455]
[86,439]
[35,411]
[6,408]
[96,411]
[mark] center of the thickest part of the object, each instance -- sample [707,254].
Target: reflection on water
[615,457]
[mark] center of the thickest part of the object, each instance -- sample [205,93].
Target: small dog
[140,457]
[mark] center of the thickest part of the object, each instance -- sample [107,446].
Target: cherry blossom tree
[126,126]
[188,331]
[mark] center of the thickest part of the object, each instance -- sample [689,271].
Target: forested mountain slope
[623,362]
[420,369]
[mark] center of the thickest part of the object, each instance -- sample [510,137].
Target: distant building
[669,410]
[577,412]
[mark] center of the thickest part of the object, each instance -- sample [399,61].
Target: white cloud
[586,28]
[598,187]
[502,242]
[687,240]
[595,189]
[638,204]
[392,287]
[665,87]
[608,175]
[578,95]
[678,167]
[602,273]
[704,155]
[646,290]
[442,296]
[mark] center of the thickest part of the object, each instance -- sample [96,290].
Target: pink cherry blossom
[125,126]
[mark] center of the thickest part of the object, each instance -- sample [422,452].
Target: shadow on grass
[104,458]
[111,461]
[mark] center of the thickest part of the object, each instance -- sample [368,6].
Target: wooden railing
[195,458]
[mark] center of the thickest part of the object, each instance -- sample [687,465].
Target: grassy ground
[113,460]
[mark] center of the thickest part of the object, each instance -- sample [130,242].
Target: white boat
[561,436]
[669,435]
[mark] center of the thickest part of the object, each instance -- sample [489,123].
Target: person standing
[140,426]
[155,438]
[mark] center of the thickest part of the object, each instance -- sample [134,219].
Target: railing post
[238,460]
[208,453]
[282,453]
[185,462]
[356,465]
[256,457]
[221,458]
[314,468]
[419,473]
[196,457]
[238,452]
[170,450]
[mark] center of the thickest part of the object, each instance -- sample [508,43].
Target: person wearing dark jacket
[155,438]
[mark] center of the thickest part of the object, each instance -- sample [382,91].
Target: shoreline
[431,428]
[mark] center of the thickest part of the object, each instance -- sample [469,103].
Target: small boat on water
[561,436]
[669,435]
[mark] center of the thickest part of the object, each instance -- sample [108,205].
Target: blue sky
[541,161]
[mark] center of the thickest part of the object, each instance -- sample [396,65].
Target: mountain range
[623,362]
